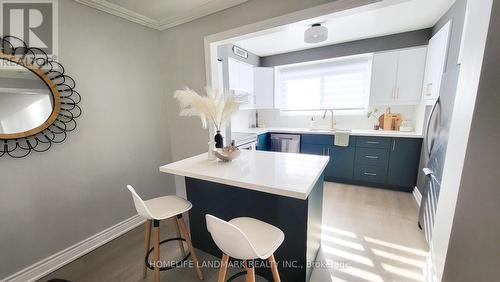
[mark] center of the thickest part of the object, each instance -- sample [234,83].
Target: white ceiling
[161,14]
[379,19]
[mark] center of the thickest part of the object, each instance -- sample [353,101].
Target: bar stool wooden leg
[250,277]
[185,233]
[147,241]
[156,242]
[274,269]
[223,268]
[178,232]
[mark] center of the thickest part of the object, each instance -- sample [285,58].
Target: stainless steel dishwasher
[289,143]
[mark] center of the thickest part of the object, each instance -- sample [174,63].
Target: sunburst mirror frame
[64,96]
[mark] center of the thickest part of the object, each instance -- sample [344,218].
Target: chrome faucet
[332,122]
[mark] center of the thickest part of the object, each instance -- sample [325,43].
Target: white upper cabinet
[384,75]
[411,68]
[240,76]
[397,77]
[264,88]
[435,64]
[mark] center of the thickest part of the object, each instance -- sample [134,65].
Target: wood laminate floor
[368,235]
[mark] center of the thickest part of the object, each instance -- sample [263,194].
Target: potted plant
[373,117]
[213,108]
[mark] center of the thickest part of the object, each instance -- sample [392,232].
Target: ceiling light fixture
[315,34]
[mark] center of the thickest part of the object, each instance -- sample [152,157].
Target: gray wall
[474,249]
[55,199]
[183,59]
[395,41]
[449,83]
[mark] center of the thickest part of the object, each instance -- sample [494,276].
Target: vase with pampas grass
[214,108]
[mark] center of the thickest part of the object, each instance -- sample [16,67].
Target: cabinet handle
[397,93]
[323,151]
[393,93]
[372,142]
[393,144]
[370,174]
[328,151]
[371,157]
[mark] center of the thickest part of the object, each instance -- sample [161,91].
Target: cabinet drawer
[372,156]
[373,142]
[317,139]
[367,173]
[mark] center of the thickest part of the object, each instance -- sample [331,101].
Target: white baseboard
[417,195]
[55,261]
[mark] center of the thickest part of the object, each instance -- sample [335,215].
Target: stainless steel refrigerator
[434,149]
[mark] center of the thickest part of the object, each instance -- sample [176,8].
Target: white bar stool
[154,210]
[245,238]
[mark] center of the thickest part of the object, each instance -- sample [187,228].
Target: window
[340,84]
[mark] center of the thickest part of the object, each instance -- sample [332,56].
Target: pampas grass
[213,107]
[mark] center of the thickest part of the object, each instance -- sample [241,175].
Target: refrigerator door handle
[427,171]
[427,145]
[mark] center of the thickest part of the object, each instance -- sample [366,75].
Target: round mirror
[26,102]
[38,101]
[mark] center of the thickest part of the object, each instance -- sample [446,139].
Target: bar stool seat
[245,239]
[264,237]
[167,207]
[154,210]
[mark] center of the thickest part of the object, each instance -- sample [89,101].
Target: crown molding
[199,12]
[195,13]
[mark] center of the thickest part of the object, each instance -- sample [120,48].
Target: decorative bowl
[227,154]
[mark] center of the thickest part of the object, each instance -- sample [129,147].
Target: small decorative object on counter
[373,117]
[219,140]
[211,149]
[214,108]
[227,154]
[406,126]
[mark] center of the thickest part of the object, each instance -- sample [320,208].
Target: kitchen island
[282,189]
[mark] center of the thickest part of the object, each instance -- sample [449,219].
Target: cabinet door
[246,77]
[403,162]
[313,149]
[264,88]
[435,63]
[411,68]
[383,83]
[341,163]
[263,142]
[240,76]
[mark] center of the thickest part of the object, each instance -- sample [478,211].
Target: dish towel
[341,138]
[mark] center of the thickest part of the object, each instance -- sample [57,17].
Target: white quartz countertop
[284,174]
[355,132]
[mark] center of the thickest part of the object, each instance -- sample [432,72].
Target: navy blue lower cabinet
[341,163]
[403,162]
[382,162]
[313,149]
[370,174]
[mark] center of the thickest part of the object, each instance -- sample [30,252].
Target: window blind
[340,84]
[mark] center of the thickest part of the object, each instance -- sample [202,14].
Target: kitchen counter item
[390,121]
[227,154]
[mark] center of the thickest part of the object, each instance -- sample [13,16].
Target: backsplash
[276,118]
